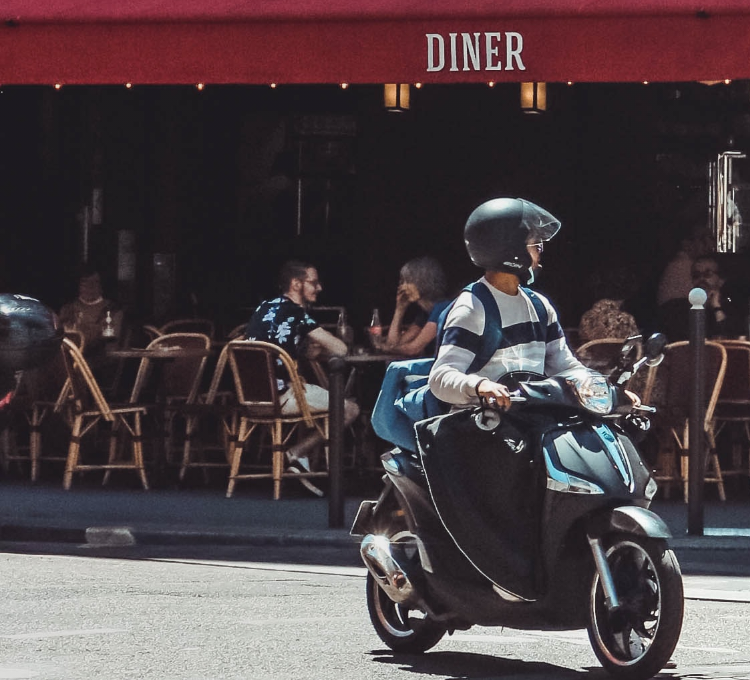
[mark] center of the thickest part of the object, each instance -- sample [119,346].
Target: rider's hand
[634,398]
[496,394]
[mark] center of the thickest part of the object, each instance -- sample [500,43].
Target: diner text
[478,51]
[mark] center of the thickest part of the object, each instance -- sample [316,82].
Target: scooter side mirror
[628,347]
[654,349]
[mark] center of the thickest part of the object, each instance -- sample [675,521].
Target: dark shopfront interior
[211,178]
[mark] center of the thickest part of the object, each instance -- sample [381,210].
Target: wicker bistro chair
[216,406]
[253,365]
[237,333]
[671,394]
[733,406]
[89,408]
[174,386]
[189,325]
[603,354]
[43,394]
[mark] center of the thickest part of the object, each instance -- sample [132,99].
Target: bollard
[336,366]
[697,440]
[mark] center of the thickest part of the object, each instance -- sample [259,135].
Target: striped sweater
[525,345]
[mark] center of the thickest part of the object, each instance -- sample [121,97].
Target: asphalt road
[280,614]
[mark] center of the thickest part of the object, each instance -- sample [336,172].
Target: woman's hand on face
[406,294]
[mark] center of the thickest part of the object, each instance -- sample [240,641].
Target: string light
[128,85]
[491,83]
[418,85]
[58,86]
[273,86]
[200,86]
[344,86]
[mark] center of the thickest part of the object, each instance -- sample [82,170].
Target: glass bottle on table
[344,331]
[376,331]
[108,327]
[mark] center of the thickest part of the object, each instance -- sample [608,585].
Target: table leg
[336,446]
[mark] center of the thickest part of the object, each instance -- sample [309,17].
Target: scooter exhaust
[377,554]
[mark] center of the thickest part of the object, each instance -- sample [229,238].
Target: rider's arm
[464,326]
[558,357]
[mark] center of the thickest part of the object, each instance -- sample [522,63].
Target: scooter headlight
[593,391]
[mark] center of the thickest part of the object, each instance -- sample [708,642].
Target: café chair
[42,395]
[602,355]
[237,333]
[672,393]
[174,386]
[733,406]
[213,410]
[189,325]
[151,332]
[253,367]
[88,408]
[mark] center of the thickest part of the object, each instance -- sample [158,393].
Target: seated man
[284,321]
[725,310]
[724,314]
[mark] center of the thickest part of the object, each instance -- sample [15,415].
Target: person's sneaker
[302,464]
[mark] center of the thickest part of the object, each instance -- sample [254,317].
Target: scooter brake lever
[645,409]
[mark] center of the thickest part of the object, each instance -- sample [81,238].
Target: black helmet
[30,333]
[498,231]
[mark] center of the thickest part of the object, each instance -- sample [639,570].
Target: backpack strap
[493,330]
[493,334]
[493,327]
[541,311]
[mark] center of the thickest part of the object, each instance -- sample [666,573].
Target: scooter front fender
[628,519]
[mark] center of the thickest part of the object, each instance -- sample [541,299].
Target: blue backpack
[405,397]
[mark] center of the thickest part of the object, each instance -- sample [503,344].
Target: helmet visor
[540,225]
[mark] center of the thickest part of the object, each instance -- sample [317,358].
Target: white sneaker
[302,462]
[300,465]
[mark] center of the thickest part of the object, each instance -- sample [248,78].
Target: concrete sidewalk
[204,516]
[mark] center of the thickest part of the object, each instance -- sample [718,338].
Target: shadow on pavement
[462,665]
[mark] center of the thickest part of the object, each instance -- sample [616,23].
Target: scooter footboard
[629,519]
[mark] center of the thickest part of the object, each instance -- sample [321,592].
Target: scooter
[533,518]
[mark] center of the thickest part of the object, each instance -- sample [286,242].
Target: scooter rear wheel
[635,641]
[401,628]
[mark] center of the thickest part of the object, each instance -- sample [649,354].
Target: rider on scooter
[505,237]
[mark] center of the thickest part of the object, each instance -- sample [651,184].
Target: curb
[123,535]
[127,535]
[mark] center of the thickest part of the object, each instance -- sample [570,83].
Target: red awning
[356,41]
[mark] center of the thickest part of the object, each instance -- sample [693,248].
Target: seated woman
[607,317]
[422,283]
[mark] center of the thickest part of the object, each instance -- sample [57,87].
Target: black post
[336,366]
[697,450]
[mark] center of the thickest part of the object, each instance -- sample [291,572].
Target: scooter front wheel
[401,628]
[635,640]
